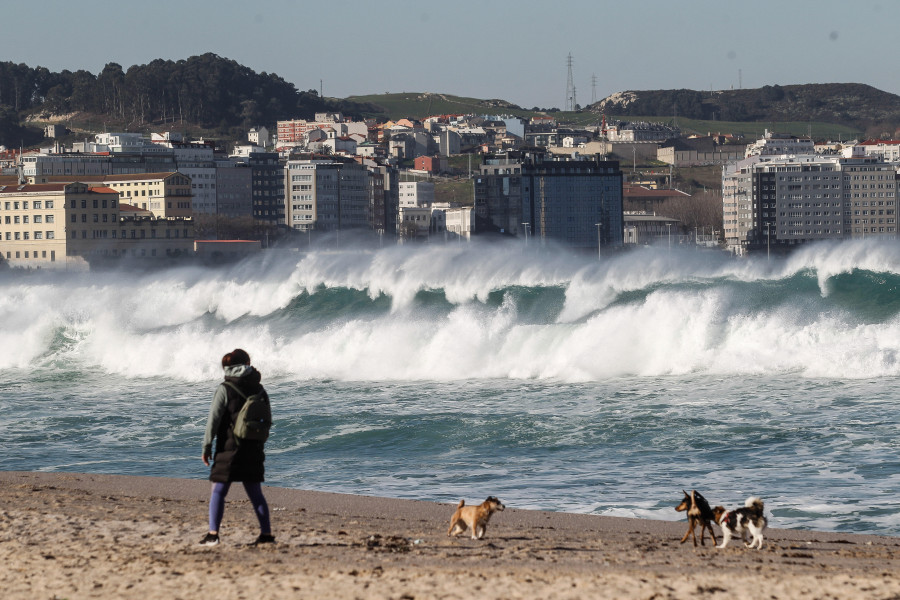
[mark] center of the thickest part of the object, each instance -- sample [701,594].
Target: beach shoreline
[75,535]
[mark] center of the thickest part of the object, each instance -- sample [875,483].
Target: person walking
[235,458]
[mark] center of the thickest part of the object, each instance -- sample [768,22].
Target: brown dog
[698,513]
[474,517]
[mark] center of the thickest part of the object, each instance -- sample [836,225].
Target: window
[37,204]
[37,218]
[49,204]
[38,235]
[50,235]
[48,218]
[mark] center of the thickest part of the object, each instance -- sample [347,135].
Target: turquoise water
[552,381]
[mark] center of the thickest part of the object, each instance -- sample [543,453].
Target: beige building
[163,194]
[71,225]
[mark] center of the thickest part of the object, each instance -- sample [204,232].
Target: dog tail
[461,503]
[755,503]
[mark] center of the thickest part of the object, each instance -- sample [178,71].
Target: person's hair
[236,357]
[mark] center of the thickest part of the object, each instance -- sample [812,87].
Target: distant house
[644,199]
[54,131]
[695,152]
[645,229]
[889,150]
[259,136]
[431,164]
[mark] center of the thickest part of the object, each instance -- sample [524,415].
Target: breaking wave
[471,311]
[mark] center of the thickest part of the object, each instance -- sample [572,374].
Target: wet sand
[65,535]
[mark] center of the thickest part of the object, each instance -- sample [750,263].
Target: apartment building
[574,201]
[325,194]
[414,217]
[267,187]
[774,202]
[577,202]
[887,150]
[162,194]
[71,225]
[777,144]
[416,193]
[384,197]
[498,194]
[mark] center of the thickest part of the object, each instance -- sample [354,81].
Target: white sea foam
[688,319]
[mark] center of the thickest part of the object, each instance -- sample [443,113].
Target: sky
[512,50]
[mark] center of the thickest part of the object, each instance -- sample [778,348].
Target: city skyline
[516,51]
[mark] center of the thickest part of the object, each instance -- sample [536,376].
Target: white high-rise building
[774,202]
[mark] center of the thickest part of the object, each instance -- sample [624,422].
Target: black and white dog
[741,521]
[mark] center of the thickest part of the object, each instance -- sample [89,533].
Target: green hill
[851,105]
[419,105]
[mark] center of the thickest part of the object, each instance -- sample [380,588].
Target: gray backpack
[254,419]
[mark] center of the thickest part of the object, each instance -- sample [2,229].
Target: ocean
[438,372]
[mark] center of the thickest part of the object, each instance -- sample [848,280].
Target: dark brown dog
[698,513]
[474,517]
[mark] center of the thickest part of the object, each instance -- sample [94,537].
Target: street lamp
[526,225]
[599,240]
[768,242]
[669,229]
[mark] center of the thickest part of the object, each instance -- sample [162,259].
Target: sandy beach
[65,535]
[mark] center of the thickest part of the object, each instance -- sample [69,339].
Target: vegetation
[457,191]
[205,91]
[858,106]
[419,105]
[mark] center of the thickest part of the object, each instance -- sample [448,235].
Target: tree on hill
[207,90]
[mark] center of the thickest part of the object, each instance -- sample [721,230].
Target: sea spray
[472,311]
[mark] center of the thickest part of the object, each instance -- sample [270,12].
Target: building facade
[327,194]
[774,202]
[576,201]
[162,194]
[71,225]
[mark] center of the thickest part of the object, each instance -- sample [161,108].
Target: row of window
[112,233]
[26,235]
[35,204]
[16,219]
[32,254]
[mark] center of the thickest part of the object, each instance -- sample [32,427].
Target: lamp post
[599,240]
[669,230]
[768,242]
[526,226]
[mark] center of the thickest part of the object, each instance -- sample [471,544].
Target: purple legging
[254,492]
